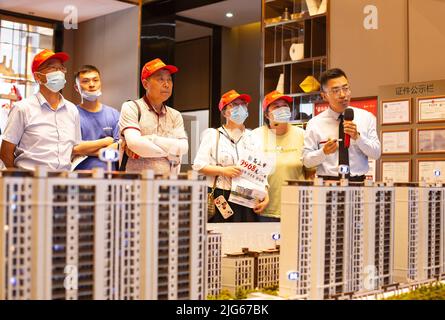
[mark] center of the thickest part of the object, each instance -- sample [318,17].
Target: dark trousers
[241,213]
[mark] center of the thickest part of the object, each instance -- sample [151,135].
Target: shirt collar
[42,101]
[332,114]
[151,108]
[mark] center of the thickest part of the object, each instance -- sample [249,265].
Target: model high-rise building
[173,229]
[84,236]
[213,273]
[331,235]
[378,237]
[87,231]
[419,232]
[15,235]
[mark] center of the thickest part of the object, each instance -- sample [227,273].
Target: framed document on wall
[431,140]
[396,170]
[431,109]
[395,112]
[396,142]
[428,169]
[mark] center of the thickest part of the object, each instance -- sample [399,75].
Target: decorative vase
[296,51]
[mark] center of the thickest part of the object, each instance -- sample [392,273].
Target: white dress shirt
[44,136]
[324,127]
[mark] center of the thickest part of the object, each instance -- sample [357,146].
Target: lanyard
[227,135]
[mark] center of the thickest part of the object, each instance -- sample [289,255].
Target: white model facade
[267,268]
[419,232]
[331,236]
[238,272]
[16,236]
[83,236]
[214,246]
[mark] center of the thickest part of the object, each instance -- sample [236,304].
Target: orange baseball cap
[155,65]
[274,96]
[230,96]
[45,55]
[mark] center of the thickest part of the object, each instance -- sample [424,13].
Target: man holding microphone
[341,135]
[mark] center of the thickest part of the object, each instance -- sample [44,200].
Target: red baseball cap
[274,96]
[155,65]
[230,96]
[45,55]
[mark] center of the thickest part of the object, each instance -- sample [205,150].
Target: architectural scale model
[89,236]
[335,239]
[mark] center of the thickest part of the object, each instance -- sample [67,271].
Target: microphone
[348,116]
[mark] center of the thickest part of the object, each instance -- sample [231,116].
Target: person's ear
[324,96]
[39,77]
[76,87]
[267,114]
[145,84]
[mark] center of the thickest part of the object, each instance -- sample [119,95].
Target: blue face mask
[239,114]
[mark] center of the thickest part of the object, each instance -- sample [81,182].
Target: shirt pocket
[66,127]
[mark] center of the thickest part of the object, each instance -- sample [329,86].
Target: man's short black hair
[86,68]
[331,74]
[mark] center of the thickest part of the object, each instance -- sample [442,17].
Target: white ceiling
[54,9]
[244,11]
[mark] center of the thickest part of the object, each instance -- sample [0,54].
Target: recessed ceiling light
[229,15]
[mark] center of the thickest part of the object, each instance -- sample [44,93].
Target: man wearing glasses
[44,128]
[324,143]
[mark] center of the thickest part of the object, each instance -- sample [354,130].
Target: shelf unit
[280,32]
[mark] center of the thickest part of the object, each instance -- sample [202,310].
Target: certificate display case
[396,142]
[431,170]
[396,170]
[431,140]
[431,109]
[411,124]
[395,112]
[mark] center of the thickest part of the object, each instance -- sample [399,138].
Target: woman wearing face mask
[219,152]
[284,143]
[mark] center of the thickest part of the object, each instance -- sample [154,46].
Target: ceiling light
[229,15]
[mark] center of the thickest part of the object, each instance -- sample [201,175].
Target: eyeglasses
[336,91]
[53,69]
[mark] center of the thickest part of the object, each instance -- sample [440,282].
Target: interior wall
[192,82]
[407,47]
[111,43]
[426,40]
[370,58]
[241,65]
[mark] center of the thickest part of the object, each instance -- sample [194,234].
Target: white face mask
[55,81]
[89,96]
[281,115]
